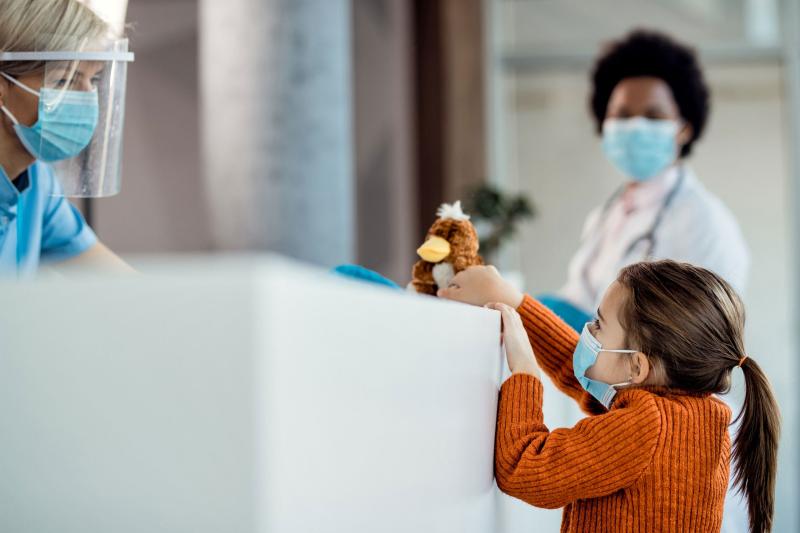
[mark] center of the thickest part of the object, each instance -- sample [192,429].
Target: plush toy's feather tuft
[452,212]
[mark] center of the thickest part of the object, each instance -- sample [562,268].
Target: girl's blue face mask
[640,148]
[584,357]
[66,123]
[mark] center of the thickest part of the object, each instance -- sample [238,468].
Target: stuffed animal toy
[450,247]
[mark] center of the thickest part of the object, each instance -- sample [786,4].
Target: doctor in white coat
[651,103]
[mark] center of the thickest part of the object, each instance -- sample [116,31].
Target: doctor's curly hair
[650,53]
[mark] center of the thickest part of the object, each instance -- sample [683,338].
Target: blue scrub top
[37,224]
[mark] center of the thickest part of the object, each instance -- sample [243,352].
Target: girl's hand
[479,285]
[518,348]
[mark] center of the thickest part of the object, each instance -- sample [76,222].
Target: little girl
[654,454]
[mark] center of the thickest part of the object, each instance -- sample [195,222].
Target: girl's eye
[596,323]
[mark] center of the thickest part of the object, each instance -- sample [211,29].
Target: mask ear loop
[22,86]
[11,117]
[630,378]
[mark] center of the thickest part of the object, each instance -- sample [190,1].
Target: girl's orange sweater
[657,461]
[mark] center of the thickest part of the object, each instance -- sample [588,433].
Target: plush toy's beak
[434,250]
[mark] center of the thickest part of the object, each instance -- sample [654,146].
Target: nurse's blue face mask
[66,123]
[641,148]
[584,357]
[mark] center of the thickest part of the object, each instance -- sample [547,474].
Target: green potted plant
[496,216]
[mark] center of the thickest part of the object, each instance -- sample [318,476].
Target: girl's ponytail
[690,323]
[755,447]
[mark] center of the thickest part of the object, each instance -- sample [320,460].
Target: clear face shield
[80,115]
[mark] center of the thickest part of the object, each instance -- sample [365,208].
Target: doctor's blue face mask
[66,123]
[641,148]
[584,357]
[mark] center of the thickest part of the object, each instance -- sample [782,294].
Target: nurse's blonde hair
[51,25]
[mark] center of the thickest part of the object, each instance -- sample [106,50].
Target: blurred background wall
[163,207]
[411,86]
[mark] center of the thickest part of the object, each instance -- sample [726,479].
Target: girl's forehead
[612,301]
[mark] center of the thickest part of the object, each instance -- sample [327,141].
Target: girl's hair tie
[741,361]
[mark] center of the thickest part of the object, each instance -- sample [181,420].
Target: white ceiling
[576,26]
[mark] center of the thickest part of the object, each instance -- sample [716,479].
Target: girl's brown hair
[690,324]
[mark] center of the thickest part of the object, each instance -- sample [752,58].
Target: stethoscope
[648,236]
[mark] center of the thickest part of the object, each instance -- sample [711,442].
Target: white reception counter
[244,396]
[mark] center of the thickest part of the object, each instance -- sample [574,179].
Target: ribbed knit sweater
[656,461]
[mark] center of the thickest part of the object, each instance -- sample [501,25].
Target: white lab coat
[696,227]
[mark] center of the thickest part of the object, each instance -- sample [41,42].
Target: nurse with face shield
[62,91]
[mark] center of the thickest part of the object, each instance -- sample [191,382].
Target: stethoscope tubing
[649,235]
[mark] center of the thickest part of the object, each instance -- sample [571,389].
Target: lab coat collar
[649,193]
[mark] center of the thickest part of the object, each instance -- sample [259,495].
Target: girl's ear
[640,368]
